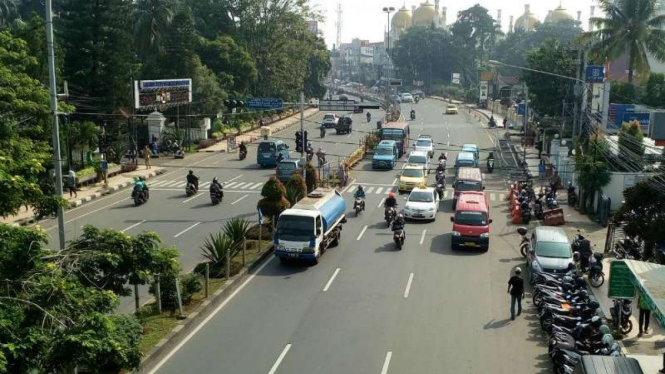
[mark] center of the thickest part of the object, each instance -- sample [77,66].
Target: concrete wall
[617,184]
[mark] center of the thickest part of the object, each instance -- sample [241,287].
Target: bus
[399,132]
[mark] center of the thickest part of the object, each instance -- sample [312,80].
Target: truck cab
[385,155]
[471,222]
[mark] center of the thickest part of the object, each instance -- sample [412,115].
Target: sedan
[423,203]
[451,109]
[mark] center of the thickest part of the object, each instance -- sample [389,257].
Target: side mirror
[483,187]
[452,219]
[318,232]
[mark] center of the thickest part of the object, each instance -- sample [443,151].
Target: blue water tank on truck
[311,226]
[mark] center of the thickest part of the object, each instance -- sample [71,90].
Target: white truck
[311,226]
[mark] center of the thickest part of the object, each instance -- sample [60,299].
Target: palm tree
[629,26]
[8,11]
[152,18]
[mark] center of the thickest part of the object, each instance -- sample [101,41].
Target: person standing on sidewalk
[555,182]
[146,157]
[645,315]
[71,183]
[516,291]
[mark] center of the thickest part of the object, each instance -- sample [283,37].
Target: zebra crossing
[235,185]
[447,194]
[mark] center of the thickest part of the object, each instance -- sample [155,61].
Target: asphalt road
[366,308]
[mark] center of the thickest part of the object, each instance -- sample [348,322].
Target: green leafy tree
[232,64]
[8,11]
[274,198]
[634,27]
[152,18]
[208,96]
[653,91]
[296,188]
[546,94]
[213,17]
[624,93]
[318,67]
[592,169]
[631,148]
[84,136]
[476,30]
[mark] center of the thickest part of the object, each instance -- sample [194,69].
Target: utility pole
[576,116]
[526,119]
[302,134]
[57,162]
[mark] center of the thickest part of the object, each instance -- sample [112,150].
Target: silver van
[550,250]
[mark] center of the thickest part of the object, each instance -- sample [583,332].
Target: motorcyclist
[413,113]
[322,130]
[399,223]
[321,155]
[441,179]
[279,158]
[242,147]
[193,179]
[391,201]
[360,194]
[443,157]
[492,122]
[442,167]
[216,187]
[369,116]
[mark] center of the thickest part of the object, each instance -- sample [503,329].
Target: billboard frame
[162,90]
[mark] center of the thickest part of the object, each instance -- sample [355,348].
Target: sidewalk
[89,193]
[252,135]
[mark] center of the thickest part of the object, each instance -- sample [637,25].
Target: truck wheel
[335,241]
[315,261]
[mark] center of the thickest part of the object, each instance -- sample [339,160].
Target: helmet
[608,339]
[596,322]
[518,271]
[214,179]
[360,187]
[400,216]
[576,257]
[571,266]
[391,195]
[191,172]
[580,282]
[594,305]
[604,329]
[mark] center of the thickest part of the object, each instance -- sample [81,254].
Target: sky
[365,19]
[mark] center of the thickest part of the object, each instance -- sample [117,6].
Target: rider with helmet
[360,194]
[193,179]
[399,223]
[369,116]
[216,187]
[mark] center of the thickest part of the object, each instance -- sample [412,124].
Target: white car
[407,98]
[425,143]
[423,203]
[420,158]
[330,120]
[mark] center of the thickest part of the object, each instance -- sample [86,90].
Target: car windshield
[328,116]
[421,197]
[424,143]
[267,147]
[295,228]
[384,151]
[287,166]
[469,218]
[553,250]
[469,149]
[413,173]
[468,186]
[417,159]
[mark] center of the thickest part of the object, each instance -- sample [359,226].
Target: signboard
[484,87]
[644,118]
[337,105]
[486,76]
[231,143]
[456,79]
[594,74]
[620,285]
[395,82]
[162,94]
[616,114]
[262,103]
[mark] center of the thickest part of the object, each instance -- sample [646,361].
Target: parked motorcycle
[628,249]
[626,325]
[525,211]
[524,244]
[359,205]
[596,275]
[538,209]
[572,195]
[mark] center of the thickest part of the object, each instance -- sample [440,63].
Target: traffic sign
[395,82]
[260,103]
[595,74]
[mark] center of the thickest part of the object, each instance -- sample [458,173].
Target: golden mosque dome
[526,22]
[402,19]
[424,15]
[560,14]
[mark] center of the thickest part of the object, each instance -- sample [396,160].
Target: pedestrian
[71,183]
[154,138]
[516,291]
[341,175]
[146,157]
[645,315]
[541,170]
[555,182]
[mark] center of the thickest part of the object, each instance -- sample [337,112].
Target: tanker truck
[311,226]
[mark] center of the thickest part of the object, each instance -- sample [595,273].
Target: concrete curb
[194,319]
[96,195]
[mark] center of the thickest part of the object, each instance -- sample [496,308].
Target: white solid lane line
[362,232]
[132,226]
[325,289]
[408,286]
[381,202]
[386,363]
[211,316]
[422,237]
[274,367]
[187,229]
[233,203]
[193,197]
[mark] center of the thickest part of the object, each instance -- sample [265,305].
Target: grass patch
[157,326]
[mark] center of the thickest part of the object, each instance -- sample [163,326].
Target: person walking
[645,315]
[146,157]
[555,181]
[71,183]
[516,291]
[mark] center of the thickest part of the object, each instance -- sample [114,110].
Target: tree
[311,177]
[592,168]
[232,64]
[274,198]
[296,188]
[476,30]
[208,96]
[212,18]
[152,18]
[547,93]
[634,27]
[631,148]
[84,136]
[624,93]
[653,91]
[8,11]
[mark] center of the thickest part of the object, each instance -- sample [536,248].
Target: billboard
[162,94]
[594,74]
[484,87]
[644,118]
[456,78]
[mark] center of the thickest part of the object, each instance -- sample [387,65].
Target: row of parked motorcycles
[571,320]
[527,196]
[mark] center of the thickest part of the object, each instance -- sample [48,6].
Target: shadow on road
[441,245]
[492,324]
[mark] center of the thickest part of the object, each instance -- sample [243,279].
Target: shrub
[236,229]
[271,208]
[273,189]
[189,285]
[311,177]
[214,250]
[266,231]
[295,189]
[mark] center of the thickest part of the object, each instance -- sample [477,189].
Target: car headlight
[485,235]
[535,266]
[456,233]
[432,209]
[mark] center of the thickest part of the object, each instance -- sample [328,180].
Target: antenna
[338,25]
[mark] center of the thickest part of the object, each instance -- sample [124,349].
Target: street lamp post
[388,10]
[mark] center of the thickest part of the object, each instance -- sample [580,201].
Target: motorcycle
[191,190]
[242,154]
[321,159]
[626,324]
[390,215]
[369,117]
[628,249]
[399,237]
[538,209]
[216,196]
[524,244]
[323,131]
[490,165]
[596,275]
[572,195]
[526,212]
[359,205]
[140,196]
[413,115]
